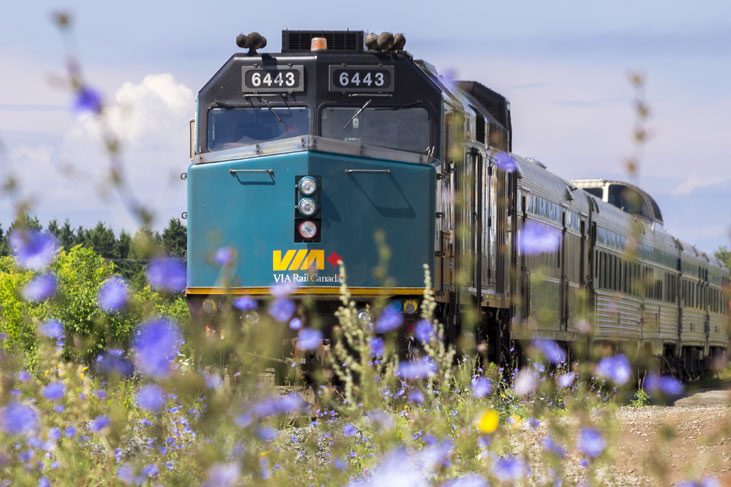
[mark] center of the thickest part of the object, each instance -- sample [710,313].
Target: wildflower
[507,469]
[112,361]
[525,382]
[244,303]
[155,346]
[87,100]
[538,238]
[505,162]
[282,309]
[113,294]
[265,433]
[469,480]
[550,445]
[565,380]
[150,471]
[534,423]
[349,430]
[706,482]
[224,256]
[283,289]
[590,442]
[339,464]
[616,369]
[295,324]
[167,274]
[212,380]
[377,347]
[309,339]
[43,482]
[151,398]
[24,376]
[40,288]
[551,350]
[666,384]
[424,331]
[32,249]
[481,387]
[416,396]
[416,369]
[99,423]
[390,319]
[397,467]
[52,329]
[69,432]
[223,475]
[487,421]
[17,419]
[53,391]
[54,433]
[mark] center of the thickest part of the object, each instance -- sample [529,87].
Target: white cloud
[150,119]
[695,181]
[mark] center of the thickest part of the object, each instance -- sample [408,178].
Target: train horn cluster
[252,42]
[385,42]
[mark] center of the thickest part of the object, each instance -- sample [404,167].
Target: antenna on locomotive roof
[252,41]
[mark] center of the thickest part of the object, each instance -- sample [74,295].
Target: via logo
[303,259]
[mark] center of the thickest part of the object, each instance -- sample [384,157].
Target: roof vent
[337,40]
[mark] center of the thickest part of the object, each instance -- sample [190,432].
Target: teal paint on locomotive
[254,214]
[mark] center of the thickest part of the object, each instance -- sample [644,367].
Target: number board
[258,79]
[362,79]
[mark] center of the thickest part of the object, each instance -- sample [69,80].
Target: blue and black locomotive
[300,157]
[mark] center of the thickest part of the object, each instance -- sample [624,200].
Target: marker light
[318,44]
[307,206]
[307,229]
[307,185]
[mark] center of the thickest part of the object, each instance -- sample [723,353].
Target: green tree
[175,238]
[724,255]
[101,238]
[4,247]
[66,235]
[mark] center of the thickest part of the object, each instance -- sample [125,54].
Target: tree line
[129,252]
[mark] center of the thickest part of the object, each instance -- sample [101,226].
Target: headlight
[307,185]
[307,206]
[307,229]
[363,317]
[410,306]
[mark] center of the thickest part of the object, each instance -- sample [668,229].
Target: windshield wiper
[408,105]
[266,104]
[368,102]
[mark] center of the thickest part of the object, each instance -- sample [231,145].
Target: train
[298,158]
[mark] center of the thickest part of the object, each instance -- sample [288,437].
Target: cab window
[232,127]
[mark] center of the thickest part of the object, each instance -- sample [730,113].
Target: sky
[564,66]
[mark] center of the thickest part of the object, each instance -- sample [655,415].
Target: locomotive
[299,158]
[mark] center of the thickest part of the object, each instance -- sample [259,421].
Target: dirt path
[687,441]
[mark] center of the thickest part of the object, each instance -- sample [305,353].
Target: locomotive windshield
[231,127]
[393,127]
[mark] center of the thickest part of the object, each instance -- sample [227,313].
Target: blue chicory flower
[282,309]
[565,380]
[283,289]
[505,162]
[244,303]
[390,319]
[40,288]
[551,350]
[43,482]
[295,324]
[508,469]
[525,382]
[349,430]
[224,256]
[54,391]
[151,397]
[150,471]
[309,339]
[538,238]
[167,274]
[17,419]
[33,250]
[662,384]
[87,100]
[481,387]
[267,434]
[99,423]
[114,362]
[69,432]
[377,347]
[223,475]
[416,396]
[550,445]
[616,369]
[52,329]
[416,369]
[424,331]
[155,346]
[113,294]
[590,443]
[24,376]
[54,433]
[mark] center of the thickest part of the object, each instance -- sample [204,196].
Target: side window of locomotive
[232,127]
[405,128]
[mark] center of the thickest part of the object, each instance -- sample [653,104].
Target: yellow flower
[487,421]
[515,420]
[81,375]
